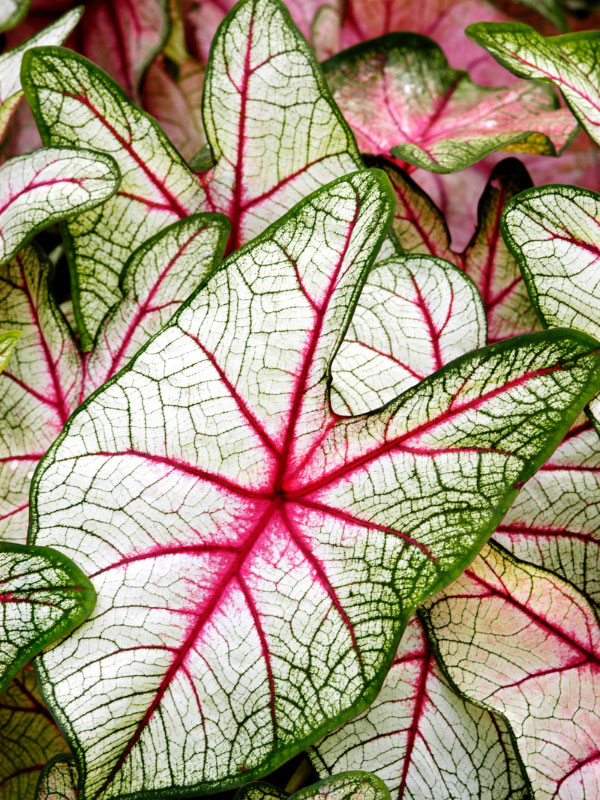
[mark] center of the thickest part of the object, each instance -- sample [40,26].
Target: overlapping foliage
[260,416]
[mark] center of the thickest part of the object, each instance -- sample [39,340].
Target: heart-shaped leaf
[554,521]
[402,99]
[415,314]
[43,595]
[47,377]
[420,228]
[28,738]
[423,739]
[10,62]
[269,155]
[76,104]
[8,341]
[355,785]
[47,185]
[124,38]
[553,232]
[525,643]
[221,509]
[570,62]
[58,779]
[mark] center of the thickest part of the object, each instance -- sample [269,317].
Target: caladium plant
[346,786]
[254,514]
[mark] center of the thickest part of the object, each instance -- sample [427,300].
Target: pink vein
[421,694]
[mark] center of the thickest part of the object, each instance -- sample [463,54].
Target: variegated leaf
[269,153]
[43,596]
[522,642]
[12,12]
[76,104]
[58,779]
[403,100]
[222,510]
[29,737]
[10,63]
[570,62]
[47,378]
[345,786]
[415,314]
[8,341]
[48,185]
[423,739]
[554,232]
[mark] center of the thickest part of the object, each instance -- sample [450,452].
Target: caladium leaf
[420,228]
[10,62]
[268,155]
[43,595]
[47,378]
[216,501]
[28,737]
[7,345]
[423,739]
[569,62]
[415,315]
[554,521]
[525,643]
[553,232]
[12,12]
[355,785]
[402,99]
[58,779]
[48,185]
[76,104]
[123,38]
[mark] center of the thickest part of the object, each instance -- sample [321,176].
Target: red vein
[416,716]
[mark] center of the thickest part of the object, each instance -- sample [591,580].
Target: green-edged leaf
[76,104]
[273,128]
[8,341]
[28,738]
[554,232]
[416,313]
[402,99]
[43,595]
[58,779]
[256,557]
[47,378]
[355,785]
[423,739]
[12,12]
[48,185]
[570,62]
[525,643]
[10,62]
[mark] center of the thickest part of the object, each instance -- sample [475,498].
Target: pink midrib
[32,185]
[421,694]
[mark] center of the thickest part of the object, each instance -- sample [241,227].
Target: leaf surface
[76,104]
[402,99]
[222,509]
[554,232]
[345,786]
[525,643]
[8,341]
[12,12]
[48,378]
[423,739]
[58,779]
[28,737]
[48,185]
[43,596]
[10,62]
[570,62]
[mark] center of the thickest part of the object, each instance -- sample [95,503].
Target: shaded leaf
[569,62]
[48,185]
[525,643]
[28,738]
[58,779]
[222,510]
[402,99]
[423,739]
[346,786]
[43,596]
[78,105]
